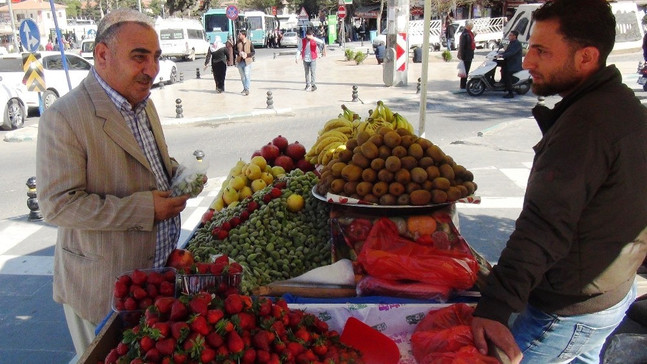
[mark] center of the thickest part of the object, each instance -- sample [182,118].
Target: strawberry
[279,328]
[217,268]
[199,306]
[112,357]
[295,348]
[222,259]
[203,268]
[179,330]
[163,304]
[260,340]
[207,355]
[295,317]
[222,351]
[303,334]
[194,343]
[137,361]
[122,348]
[179,311]
[320,325]
[235,344]
[144,303]
[130,304]
[234,221]
[167,289]
[138,292]
[320,349]
[152,356]
[180,357]
[125,280]
[249,356]
[121,289]
[267,198]
[221,234]
[223,326]
[155,278]
[279,346]
[146,343]
[262,356]
[226,226]
[206,217]
[199,325]
[152,291]
[264,306]
[275,192]
[165,346]
[138,277]
[235,268]
[252,206]
[164,328]
[244,216]
[233,304]
[214,315]
[281,184]
[246,321]
[214,339]
[169,276]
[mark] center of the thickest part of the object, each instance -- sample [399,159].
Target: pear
[258,184]
[267,177]
[253,171]
[259,161]
[278,171]
[245,192]
[229,195]
[238,182]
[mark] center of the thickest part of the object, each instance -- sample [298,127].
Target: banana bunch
[334,134]
[401,122]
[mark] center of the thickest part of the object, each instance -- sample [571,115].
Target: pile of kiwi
[395,167]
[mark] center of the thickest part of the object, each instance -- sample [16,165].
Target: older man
[104,174]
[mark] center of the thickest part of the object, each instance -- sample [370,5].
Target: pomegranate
[295,151]
[270,151]
[256,153]
[304,165]
[281,142]
[284,161]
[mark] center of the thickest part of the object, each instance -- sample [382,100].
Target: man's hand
[500,336]
[167,207]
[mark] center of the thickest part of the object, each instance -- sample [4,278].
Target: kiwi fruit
[322,188]
[403,199]
[435,152]
[420,197]
[393,164]
[427,185]
[403,176]
[468,176]
[362,137]
[369,175]
[369,150]
[432,172]
[376,139]
[360,161]
[408,162]
[399,151]
[380,189]
[407,140]
[351,172]
[364,188]
[382,130]
[441,183]
[446,171]
[396,189]
[412,186]
[336,169]
[438,196]
[325,173]
[424,143]
[371,198]
[453,193]
[471,187]
[418,175]
[388,199]
[350,188]
[425,162]
[345,155]
[377,164]
[463,190]
[415,150]
[392,139]
[459,171]
[385,175]
[383,151]
[402,131]
[337,185]
[351,144]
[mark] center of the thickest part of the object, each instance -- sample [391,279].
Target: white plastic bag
[461,69]
[189,178]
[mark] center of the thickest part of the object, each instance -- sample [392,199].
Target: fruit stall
[343,252]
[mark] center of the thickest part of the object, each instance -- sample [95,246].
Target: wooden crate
[107,339]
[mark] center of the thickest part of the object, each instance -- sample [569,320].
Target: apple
[253,171]
[270,152]
[267,177]
[258,184]
[285,162]
[245,192]
[260,161]
[238,182]
[229,195]
[180,259]
[295,151]
[281,142]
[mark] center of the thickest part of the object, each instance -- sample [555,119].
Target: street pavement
[32,326]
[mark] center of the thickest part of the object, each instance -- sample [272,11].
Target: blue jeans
[245,71]
[310,69]
[548,338]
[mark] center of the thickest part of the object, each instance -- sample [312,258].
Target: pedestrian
[308,49]
[645,47]
[219,57]
[104,172]
[244,58]
[512,57]
[466,47]
[449,30]
[380,51]
[570,264]
[49,46]
[230,50]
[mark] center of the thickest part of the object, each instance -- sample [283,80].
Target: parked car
[13,112]
[167,72]
[87,49]
[290,39]
[12,73]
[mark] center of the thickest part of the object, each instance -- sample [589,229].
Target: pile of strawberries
[204,328]
[138,289]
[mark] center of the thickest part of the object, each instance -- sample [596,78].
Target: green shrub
[360,57]
[447,56]
[349,54]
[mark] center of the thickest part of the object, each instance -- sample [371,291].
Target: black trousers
[507,79]
[468,64]
[219,70]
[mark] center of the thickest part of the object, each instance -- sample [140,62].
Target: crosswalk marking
[33,265]
[519,176]
[15,232]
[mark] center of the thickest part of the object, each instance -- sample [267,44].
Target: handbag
[461,69]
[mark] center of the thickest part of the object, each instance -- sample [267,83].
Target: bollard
[199,155]
[270,100]
[419,85]
[178,109]
[197,73]
[32,201]
[181,76]
[540,100]
[355,94]
[161,82]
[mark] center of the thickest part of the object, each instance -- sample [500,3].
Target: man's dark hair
[583,23]
[516,33]
[309,32]
[243,32]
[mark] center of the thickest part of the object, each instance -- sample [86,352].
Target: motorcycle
[483,77]
[642,71]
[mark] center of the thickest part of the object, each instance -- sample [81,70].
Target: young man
[244,58]
[466,47]
[512,56]
[570,264]
[308,49]
[104,174]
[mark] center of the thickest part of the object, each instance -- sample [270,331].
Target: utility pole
[397,53]
[13,28]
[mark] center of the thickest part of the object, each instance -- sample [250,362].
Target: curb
[228,117]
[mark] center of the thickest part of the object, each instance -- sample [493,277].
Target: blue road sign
[92,33]
[29,35]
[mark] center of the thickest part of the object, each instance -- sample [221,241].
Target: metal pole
[425,68]
[60,44]
[13,28]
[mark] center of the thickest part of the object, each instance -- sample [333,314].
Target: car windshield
[11,65]
[87,47]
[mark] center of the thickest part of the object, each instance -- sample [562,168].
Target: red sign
[274,10]
[341,11]
[231,12]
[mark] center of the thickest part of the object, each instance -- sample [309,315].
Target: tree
[73,8]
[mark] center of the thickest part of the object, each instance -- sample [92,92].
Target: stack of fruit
[281,153]
[395,167]
[237,329]
[136,290]
[220,275]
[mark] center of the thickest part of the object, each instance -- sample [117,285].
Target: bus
[216,23]
[181,38]
[259,27]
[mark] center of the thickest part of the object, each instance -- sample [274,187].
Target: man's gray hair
[469,23]
[110,24]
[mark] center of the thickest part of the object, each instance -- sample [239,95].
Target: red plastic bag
[387,255]
[450,316]
[373,286]
[464,355]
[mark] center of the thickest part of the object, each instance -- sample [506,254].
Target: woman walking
[219,58]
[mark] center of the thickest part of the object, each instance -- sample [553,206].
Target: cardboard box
[107,339]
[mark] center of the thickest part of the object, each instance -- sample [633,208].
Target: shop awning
[368,11]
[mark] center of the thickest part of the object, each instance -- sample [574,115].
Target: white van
[629,31]
[181,38]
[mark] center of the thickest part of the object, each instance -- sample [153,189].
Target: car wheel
[523,88]
[173,78]
[475,87]
[14,115]
[49,97]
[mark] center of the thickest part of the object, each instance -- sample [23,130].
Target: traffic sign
[274,10]
[29,35]
[232,12]
[34,77]
[92,33]
[303,14]
[341,11]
